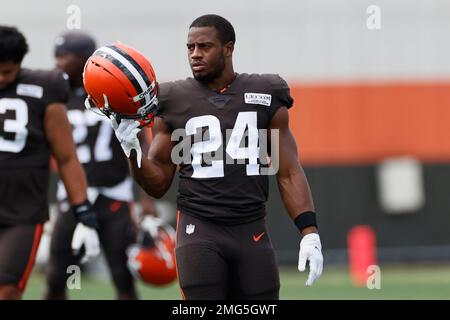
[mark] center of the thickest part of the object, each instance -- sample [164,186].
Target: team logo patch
[30,90]
[190,228]
[258,98]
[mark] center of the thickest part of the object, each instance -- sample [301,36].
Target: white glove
[152,225]
[126,132]
[311,249]
[87,237]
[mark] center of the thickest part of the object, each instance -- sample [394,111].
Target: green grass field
[397,282]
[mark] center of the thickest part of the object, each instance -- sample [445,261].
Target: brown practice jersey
[221,175]
[24,150]
[98,149]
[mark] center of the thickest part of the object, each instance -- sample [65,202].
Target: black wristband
[305,219]
[82,207]
[85,214]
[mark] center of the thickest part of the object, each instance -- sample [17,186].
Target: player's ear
[229,48]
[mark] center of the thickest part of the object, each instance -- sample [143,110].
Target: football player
[33,125]
[106,168]
[223,248]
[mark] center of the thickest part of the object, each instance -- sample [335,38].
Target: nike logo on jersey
[257,238]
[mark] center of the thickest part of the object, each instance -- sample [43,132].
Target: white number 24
[244,121]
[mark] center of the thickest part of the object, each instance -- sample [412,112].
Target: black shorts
[18,248]
[117,231]
[216,261]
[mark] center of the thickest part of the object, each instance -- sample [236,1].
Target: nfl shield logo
[190,228]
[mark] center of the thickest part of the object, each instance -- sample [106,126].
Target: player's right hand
[126,132]
[85,241]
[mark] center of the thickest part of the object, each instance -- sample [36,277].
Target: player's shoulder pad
[268,81]
[164,89]
[275,81]
[277,87]
[49,85]
[167,90]
[43,77]
[57,85]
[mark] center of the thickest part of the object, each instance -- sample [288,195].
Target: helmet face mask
[90,105]
[120,82]
[145,115]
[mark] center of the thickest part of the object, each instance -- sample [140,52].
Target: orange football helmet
[152,258]
[121,82]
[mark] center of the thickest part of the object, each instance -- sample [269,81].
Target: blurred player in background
[223,248]
[107,172]
[33,125]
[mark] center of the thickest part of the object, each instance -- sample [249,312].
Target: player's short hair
[13,45]
[224,28]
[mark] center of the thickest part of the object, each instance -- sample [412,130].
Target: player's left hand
[311,249]
[85,238]
[126,132]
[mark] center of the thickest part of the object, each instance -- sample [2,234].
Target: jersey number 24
[244,121]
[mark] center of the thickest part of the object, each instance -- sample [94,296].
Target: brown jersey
[221,178]
[98,150]
[24,150]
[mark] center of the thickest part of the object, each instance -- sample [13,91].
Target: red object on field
[361,242]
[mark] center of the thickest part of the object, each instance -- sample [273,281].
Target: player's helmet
[121,82]
[152,258]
